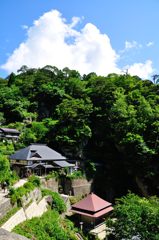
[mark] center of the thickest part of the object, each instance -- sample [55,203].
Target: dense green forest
[109,123]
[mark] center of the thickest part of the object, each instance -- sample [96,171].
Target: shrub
[136,216]
[75,199]
[49,226]
[57,201]
[34,180]
[76,175]
[18,193]
[13,178]
[53,174]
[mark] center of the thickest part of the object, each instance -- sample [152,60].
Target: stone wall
[34,195]
[17,218]
[36,210]
[5,206]
[5,235]
[77,187]
[51,184]
[33,210]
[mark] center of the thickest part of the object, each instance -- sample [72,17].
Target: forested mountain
[112,121]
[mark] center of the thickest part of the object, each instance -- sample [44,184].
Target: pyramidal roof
[37,152]
[91,203]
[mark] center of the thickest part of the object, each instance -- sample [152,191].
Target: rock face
[5,235]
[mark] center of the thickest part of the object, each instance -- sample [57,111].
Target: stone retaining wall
[17,218]
[51,184]
[34,210]
[5,206]
[34,195]
[77,187]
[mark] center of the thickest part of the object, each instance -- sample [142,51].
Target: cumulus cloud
[53,41]
[143,70]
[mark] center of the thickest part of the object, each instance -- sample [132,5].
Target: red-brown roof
[94,215]
[91,203]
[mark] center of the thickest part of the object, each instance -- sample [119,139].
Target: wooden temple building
[92,210]
[38,159]
[9,133]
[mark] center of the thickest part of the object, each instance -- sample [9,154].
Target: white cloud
[143,70]
[52,41]
[133,44]
[149,44]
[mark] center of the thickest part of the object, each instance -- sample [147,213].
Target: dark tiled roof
[37,152]
[63,164]
[49,166]
[9,130]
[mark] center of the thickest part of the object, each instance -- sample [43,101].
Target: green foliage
[136,216]
[4,168]
[11,79]
[13,178]
[53,174]
[112,120]
[75,199]
[49,226]
[16,194]
[35,180]
[76,175]
[34,133]
[57,201]
[90,169]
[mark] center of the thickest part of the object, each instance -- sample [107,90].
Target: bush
[18,193]
[13,178]
[76,175]
[49,226]
[53,174]
[75,199]
[57,201]
[136,216]
[34,180]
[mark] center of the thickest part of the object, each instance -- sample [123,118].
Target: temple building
[9,133]
[92,210]
[38,159]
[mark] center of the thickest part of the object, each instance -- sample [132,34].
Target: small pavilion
[92,210]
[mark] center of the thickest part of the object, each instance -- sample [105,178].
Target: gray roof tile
[37,152]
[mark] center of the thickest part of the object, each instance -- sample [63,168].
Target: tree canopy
[112,121]
[136,217]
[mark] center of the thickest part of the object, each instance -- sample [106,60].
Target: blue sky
[92,35]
